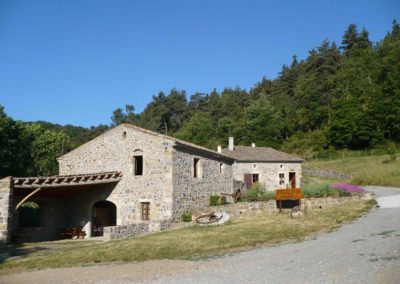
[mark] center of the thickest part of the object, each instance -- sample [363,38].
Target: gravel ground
[365,251]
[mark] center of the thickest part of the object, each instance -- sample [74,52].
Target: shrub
[222,200]
[214,200]
[268,195]
[322,189]
[349,188]
[391,151]
[186,217]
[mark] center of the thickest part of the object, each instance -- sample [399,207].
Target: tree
[129,116]
[9,133]
[199,130]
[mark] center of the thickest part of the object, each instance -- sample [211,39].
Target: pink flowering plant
[349,188]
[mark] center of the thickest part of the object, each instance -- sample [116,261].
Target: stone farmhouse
[131,181]
[271,168]
[126,176]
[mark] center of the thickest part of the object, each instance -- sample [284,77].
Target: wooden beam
[27,197]
[104,181]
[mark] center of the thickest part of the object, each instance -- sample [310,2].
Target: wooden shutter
[248,180]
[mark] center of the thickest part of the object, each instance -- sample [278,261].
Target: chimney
[219,149]
[253,145]
[231,145]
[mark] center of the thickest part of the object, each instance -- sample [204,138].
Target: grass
[373,170]
[186,243]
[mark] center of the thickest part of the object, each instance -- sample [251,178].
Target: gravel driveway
[365,251]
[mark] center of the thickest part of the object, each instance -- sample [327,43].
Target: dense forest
[339,97]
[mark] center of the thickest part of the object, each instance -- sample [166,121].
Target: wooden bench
[72,233]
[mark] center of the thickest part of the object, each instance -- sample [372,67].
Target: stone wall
[125,231]
[214,177]
[6,210]
[132,230]
[167,182]
[114,151]
[248,209]
[268,173]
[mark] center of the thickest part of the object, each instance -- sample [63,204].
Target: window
[124,134]
[138,165]
[281,179]
[196,168]
[254,178]
[145,211]
[221,166]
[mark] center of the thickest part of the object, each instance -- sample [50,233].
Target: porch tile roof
[66,180]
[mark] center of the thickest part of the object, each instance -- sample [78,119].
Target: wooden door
[248,180]
[292,179]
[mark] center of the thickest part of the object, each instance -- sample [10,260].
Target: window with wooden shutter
[145,211]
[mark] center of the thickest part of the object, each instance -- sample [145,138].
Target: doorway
[104,215]
[292,179]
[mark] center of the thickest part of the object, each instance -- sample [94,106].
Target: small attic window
[124,134]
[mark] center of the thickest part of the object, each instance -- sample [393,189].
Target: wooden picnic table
[72,233]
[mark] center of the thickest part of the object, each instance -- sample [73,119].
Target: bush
[187,217]
[268,195]
[322,190]
[391,151]
[222,200]
[214,200]
[349,188]
[257,192]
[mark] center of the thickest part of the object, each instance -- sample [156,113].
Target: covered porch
[57,207]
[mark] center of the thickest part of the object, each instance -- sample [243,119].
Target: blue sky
[74,62]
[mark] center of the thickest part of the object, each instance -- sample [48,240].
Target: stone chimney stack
[253,145]
[219,149]
[231,145]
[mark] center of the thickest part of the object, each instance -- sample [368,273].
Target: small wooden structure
[72,233]
[288,194]
[236,195]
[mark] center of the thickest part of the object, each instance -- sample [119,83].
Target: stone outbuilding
[271,168]
[126,181]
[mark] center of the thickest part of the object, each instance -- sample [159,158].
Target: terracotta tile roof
[66,180]
[259,154]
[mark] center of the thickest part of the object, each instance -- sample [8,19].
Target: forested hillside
[343,96]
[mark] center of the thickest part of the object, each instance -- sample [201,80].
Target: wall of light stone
[167,181]
[6,210]
[268,173]
[114,151]
[191,192]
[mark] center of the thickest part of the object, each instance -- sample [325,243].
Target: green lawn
[185,243]
[373,170]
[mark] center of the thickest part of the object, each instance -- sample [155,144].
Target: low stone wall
[314,172]
[247,209]
[131,230]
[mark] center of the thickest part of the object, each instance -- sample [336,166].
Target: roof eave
[269,161]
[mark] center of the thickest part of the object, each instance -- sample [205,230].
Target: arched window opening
[29,215]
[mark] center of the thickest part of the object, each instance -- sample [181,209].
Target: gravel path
[365,251]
